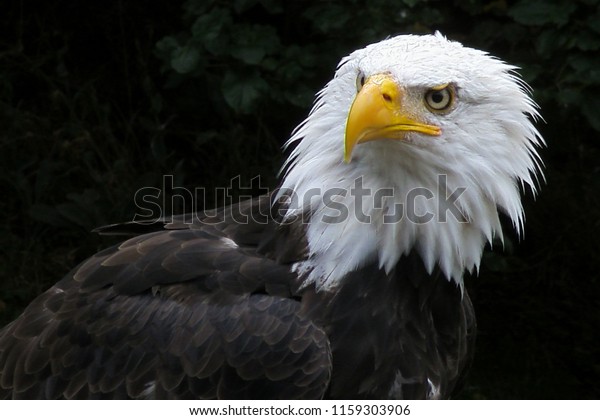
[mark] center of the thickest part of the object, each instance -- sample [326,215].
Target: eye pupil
[360,81]
[439,99]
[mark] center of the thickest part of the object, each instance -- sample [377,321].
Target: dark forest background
[101,98]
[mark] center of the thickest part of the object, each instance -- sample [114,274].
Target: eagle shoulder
[180,311]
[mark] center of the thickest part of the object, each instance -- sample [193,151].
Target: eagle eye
[360,81]
[440,98]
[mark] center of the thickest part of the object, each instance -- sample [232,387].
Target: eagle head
[416,144]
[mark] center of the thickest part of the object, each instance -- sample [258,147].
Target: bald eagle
[347,282]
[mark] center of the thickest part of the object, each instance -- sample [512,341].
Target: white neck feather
[487,151]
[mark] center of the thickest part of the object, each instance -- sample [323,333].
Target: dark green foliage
[98,99]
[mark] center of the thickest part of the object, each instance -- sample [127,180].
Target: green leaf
[542,12]
[270,64]
[531,72]
[306,57]
[242,92]
[327,17]
[197,7]
[185,59]
[548,42]
[289,72]
[569,96]
[301,96]
[587,69]
[253,43]
[166,45]
[212,30]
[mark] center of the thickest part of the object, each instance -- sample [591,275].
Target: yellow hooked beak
[377,113]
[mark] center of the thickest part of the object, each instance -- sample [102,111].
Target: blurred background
[101,98]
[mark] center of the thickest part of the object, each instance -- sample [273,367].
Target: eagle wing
[192,310]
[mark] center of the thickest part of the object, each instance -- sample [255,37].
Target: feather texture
[304,300]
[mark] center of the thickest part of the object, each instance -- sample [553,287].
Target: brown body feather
[212,309]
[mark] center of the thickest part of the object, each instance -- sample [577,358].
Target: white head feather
[487,146]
